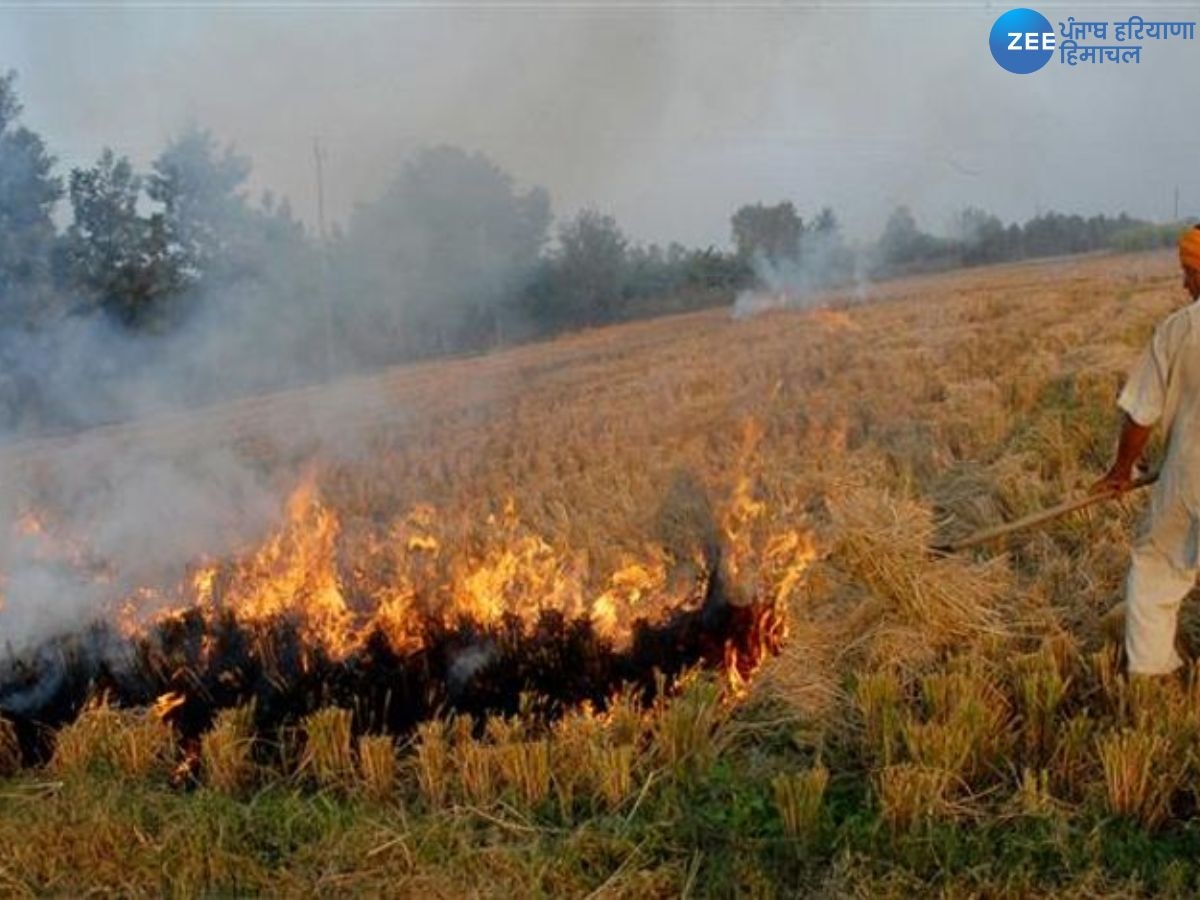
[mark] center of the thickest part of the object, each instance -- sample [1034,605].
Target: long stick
[1037,518]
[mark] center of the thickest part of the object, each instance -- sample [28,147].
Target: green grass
[715,833]
[711,828]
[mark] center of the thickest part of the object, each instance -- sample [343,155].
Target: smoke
[466,664]
[130,452]
[825,263]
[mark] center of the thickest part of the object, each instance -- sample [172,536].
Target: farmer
[1164,386]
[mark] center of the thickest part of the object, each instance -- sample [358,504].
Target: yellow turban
[1189,248]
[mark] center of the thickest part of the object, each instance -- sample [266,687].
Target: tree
[205,218]
[903,244]
[982,236]
[771,232]
[28,194]
[826,223]
[825,259]
[443,257]
[115,256]
[591,265]
[717,273]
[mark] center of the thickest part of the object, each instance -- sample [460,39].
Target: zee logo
[1022,41]
[1031,40]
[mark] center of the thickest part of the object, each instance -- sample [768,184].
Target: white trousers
[1162,572]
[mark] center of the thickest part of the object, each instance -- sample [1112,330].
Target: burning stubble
[393,617]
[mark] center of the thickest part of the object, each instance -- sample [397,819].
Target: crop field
[646,611]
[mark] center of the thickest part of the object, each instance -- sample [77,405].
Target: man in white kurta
[1164,387]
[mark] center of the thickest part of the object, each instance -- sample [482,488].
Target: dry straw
[1138,779]
[525,769]
[1033,794]
[684,733]
[1103,667]
[933,603]
[1040,690]
[328,757]
[576,738]
[227,750]
[612,773]
[1073,763]
[967,732]
[910,794]
[938,745]
[478,772]
[878,697]
[10,749]
[87,741]
[1161,705]
[377,765]
[799,799]
[132,743]
[433,762]
[624,720]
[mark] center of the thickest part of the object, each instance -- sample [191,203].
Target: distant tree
[184,241]
[443,254]
[649,273]
[1135,235]
[901,238]
[1014,241]
[591,267]
[205,216]
[826,223]
[116,257]
[981,236]
[826,260]
[773,233]
[718,273]
[904,245]
[28,194]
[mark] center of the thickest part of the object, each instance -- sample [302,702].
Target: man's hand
[1130,447]
[1115,481]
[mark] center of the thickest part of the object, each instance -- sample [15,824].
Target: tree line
[452,256]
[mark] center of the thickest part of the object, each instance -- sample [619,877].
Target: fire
[167,703]
[521,578]
[405,577]
[296,573]
[300,571]
[332,590]
[630,589]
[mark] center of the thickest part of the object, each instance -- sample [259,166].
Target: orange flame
[341,586]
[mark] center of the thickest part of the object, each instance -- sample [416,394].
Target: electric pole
[326,296]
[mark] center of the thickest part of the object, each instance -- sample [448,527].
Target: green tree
[441,259]
[28,194]
[826,223]
[773,233]
[591,268]
[207,223]
[116,257]
[982,236]
[904,244]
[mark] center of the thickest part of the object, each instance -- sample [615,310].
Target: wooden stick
[1037,518]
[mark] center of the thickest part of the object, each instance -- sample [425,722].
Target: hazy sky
[667,117]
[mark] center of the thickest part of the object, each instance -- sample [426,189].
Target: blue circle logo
[1022,41]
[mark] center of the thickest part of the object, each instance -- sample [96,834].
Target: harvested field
[743,506]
